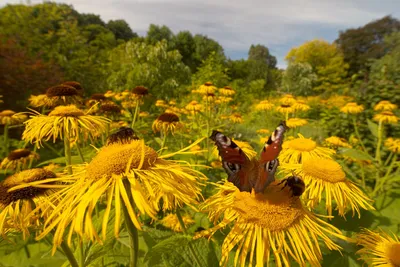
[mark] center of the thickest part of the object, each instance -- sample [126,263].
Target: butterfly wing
[233,160]
[269,158]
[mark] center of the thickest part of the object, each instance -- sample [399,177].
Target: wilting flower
[74,84]
[16,206]
[284,108]
[110,108]
[167,122]
[287,99]
[171,221]
[300,149]
[352,108]
[62,95]
[264,105]
[295,122]
[9,117]
[326,177]
[273,221]
[227,91]
[37,101]
[337,142]
[386,117]
[300,105]
[207,88]
[130,175]
[236,118]
[63,120]
[18,159]
[385,105]
[379,248]
[139,92]
[393,144]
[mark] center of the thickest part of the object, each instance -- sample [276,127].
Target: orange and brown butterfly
[248,174]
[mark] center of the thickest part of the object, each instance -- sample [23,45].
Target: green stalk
[378,146]
[67,151]
[132,231]
[31,160]
[378,186]
[80,152]
[358,134]
[135,114]
[164,139]
[68,253]
[82,255]
[182,224]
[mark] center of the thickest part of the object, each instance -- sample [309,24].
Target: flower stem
[82,255]
[358,134]
[164,139]
[68,253]
[381,182]
[182,224]
[378,146]
[135,114]
[67,151]
[31,160]
[80,152]
[132,231]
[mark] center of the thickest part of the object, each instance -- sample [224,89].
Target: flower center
[76,85]
[393,253]
[22,178]
[114,159]
[301,144]
[140,90]
[110,108]
[18,153]
[274,210]
[61,90]
[168,117]
[387,113]
[98,97]
[67,111]
[324,169]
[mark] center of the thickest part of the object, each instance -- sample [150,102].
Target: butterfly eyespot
[222,139]
[231,168]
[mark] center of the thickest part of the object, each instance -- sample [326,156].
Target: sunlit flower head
[139,92]
[194,106]
[335,141]
[37,101]
[393,144]
[16,207]
[227,91]
[296,122]
[62,95]
[273,222]
[300,149]
[118,124]
[386,117]
[284,108]
[10,117]
[379,248]
[207,88]
[263,131]
[62,120]
[300,105]
[144,114]
[216,164]
[337,101]
[224,99]
[109,94]
[210,97]
[352,108]
[171,221]
[129,174]
[287,99]
[161,103]
[325,179]
[264,105]
[236,118]
[385,105]
[172,103]
[167,122]
[18,159]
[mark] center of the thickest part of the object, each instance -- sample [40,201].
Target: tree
[121,29]
[326,61]
[211,70]
[158,33]
[204,47]
[87,19]
[261,53]
[185,44]
[298,79]
[365,43]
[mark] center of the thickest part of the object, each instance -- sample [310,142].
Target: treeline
[45,44]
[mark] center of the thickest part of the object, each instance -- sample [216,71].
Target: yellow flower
[300,149]
[74,84]
[167,122]
[224,99]
[171,221]
[62,94]
[236,118]
[9,117]
[161,103]
[268,223]
[210,97]
[227,91]
[16,207]
[393,144]
[385,105]
[337,101]
[172,103]
[300,105]
[139,92]
[352,108]
[284,108]
[264,105]
[130,176]
[287,99]
[379,248]
[109,94]
[264,139]
[295,122]
[18,159]
[386,117]
[337,142]
[326,176]
[144,114]
[263,131]
[207,88]
[62,120]
[110,108]
[216,164]
[37,101]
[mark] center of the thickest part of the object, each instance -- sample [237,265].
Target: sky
[277,24]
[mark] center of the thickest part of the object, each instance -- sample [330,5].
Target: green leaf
[355,154]
[373,127]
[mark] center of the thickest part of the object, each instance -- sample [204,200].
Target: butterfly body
[248,174]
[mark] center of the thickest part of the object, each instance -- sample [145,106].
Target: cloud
[237,24]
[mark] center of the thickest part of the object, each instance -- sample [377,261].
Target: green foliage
[298,79]
[137,63]
[261,53]
[158,33]
[211,70]
[121,29]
